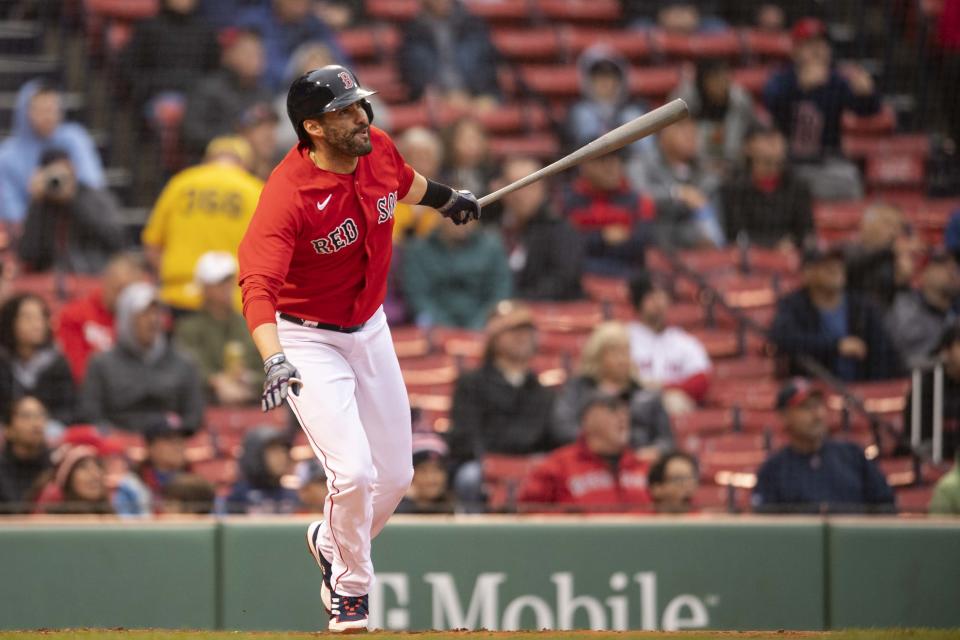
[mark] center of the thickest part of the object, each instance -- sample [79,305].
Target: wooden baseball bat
[620,137]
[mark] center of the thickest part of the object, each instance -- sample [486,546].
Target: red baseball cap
[808,29]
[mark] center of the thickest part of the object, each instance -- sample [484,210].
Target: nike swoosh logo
[323,205]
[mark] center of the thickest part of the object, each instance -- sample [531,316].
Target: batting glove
[282,377]
[461,208]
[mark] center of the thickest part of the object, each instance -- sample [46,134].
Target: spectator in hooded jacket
[807,101]
[500,407]
[615,222]
[38,367]
[264,462]
[447,51]
[764,203]
[685,192]
[543,250]
[142,379]
[168,54]
[605,102]
[599,471]
[285,25]
[70,227]
[216,101]
[86,325]
[723,111]
[24,455]
[38,125]
[835,326]
[605,367]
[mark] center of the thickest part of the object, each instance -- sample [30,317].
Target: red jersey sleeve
[265,251]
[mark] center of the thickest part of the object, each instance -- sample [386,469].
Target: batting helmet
[323,90]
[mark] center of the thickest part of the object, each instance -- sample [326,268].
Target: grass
[124,634]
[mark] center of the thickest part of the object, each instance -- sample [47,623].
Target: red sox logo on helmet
[346,79]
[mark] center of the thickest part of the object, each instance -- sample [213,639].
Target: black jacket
[489,415]
[797,330]
[554,259]
[214,107]
[168,53]
[767,218]
[54,386]
[873,273]
[18,479]
[77,237]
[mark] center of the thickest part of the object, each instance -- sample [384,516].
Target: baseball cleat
[313,537]
[348,614]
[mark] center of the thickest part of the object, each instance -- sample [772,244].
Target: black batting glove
[282,378]
[461,208]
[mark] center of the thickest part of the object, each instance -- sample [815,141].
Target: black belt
[321,325]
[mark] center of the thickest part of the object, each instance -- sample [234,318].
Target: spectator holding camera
[38,125]
[69,226]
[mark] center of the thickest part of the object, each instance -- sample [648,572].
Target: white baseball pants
[353,406]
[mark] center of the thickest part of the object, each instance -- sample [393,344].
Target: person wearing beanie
[429,491]
[78,484]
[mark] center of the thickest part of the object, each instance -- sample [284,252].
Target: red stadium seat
[512,118]
[542,43]
[458,342]
[716,466]
[711,261]
[123,9]
[540,145]
[760,260]
[914,499]
[745,394]
[881,123]
[366,43]
[745,291]
[888,396]
[392,10]
[410,341]
[605,289]
[565,343]
[843,216]
[579,10]
[654,82]
[499,10]
[702,422]
[748,368]
[632,45]
[404,116]
[753,79]
[218,419]
[429,371]
[552,80]
[581,315]
[722,44]
[767,44]
[857,147]
[385,79]
[895,171]
[502,477]
[221,473]
[759,421]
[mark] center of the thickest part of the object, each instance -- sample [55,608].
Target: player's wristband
[437,195]
[275,359]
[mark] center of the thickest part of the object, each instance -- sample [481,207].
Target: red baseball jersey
[319,244]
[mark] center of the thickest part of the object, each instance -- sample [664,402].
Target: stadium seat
[220,472]
[745,394]
[745,291]
[713,498]
[429,371]
[721,44]
[392,10]
[414,114]
[524,44]
[565,343]
[545,146]
[881,123]
[914,499]
[577,10]
[753,79]
[888,396]
[860,146]
[631,45]
[767,44]
[757,421]
[605,289]
[502,477]
[747,368]
[385,79]
[761,260]
[654,82]
[366,43]
[410,341]
[581,315]
[711,261]
[883,171]
[219,419]
[494,11]
[716,466]
[458,342]
[702,422]
[122,9]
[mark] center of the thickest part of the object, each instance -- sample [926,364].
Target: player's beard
[349,142]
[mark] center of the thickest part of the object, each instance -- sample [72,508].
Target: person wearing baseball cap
[500,407]
[806,102]
[840,329]
[815,473]
[217,337]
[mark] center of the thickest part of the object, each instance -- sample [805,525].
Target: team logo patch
[346,79]
[385,207]
[343,236]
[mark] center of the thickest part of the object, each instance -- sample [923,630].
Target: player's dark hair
[659,468]
[8,320]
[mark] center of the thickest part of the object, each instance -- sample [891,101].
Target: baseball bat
[620,137]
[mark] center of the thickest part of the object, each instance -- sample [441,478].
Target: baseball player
[313,271]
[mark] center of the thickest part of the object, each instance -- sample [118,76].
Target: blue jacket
[20,156]
[475,56]
[280,40]
[837,478]
[794,112]
[798,330]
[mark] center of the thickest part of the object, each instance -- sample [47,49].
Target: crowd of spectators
[160,337]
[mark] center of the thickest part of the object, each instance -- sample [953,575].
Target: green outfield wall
[495,573]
